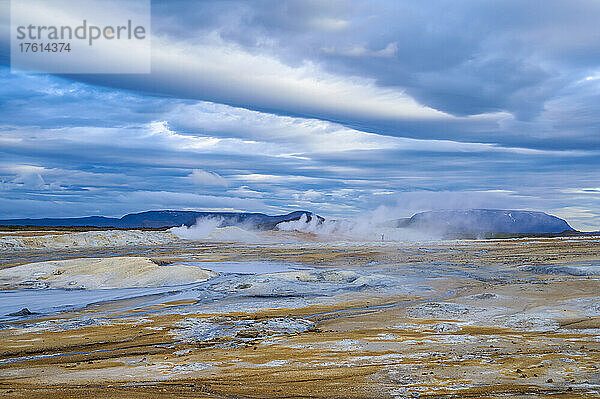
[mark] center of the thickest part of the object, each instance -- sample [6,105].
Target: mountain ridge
[472,223]
[162,219]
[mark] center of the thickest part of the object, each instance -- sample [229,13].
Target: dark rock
[248,334]
[22,312]
[485,295]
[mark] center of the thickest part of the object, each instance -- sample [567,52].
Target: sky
[340,108]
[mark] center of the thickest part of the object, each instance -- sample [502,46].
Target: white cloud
[204,178]
[246,192]
[361,51]
[309,195]
[285,136]
[328,23]
[159,130]
[226,72]
[278,179]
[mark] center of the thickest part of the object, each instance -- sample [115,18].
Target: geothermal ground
[143,314]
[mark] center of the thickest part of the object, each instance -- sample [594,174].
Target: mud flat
[498,318]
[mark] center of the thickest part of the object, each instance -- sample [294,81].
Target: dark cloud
[359,62]
[463,58]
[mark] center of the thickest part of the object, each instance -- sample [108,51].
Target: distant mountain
[163,219]
[485,222]
[473,223]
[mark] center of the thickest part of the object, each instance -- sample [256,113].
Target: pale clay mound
[101,273]
[124,238]
[89,239]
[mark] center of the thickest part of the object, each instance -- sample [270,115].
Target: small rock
[22,312]
[248,334]
[485,295]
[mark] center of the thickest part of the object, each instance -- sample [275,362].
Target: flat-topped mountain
[485,222]
[163,219]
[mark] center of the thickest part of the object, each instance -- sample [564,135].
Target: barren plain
[296,317]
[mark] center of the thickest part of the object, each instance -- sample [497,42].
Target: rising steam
[212,229]
[366,228]
[200,230]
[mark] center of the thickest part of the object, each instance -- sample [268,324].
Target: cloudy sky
[337,107]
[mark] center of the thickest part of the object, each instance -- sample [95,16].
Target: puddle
[574,269]
[50,301]
[249,267]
